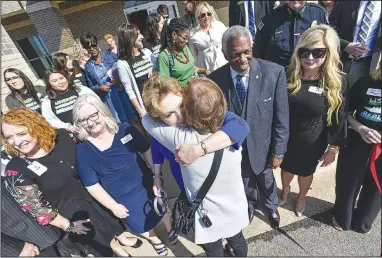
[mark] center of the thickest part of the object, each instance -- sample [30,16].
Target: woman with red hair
[43,179]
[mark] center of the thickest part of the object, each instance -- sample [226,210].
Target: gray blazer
[266,109]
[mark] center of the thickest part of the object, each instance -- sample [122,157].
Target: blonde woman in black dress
[316,100]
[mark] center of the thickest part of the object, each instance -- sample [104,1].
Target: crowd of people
[289,84]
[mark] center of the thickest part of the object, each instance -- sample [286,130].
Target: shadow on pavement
[313,204]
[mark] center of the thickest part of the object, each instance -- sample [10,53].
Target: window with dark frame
[36,54]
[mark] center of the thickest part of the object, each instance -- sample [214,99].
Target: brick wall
[52,27]
[98,20]
[11,57]
[23,32]
[218,4]
[9,6]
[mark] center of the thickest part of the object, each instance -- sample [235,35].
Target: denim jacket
[96,74]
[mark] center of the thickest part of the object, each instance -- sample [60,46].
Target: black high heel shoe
[136,245]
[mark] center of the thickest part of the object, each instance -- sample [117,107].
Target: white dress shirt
[244,79]
[246,13]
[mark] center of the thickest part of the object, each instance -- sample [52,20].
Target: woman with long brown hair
[63,62]
[135,64]
[61,95]
[316,88]
[23,92]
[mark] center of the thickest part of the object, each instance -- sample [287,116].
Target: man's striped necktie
[251,19]
[366,22]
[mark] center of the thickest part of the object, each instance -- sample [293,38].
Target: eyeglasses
[93,117]
[204,15]
[12,78]
[316,52]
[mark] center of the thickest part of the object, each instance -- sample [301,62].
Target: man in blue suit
[256,90]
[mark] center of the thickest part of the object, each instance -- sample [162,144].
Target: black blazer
[18,227]
[237,14]
[267,112]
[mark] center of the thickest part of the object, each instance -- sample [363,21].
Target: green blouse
[182,72]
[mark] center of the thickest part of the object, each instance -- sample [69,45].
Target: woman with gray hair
[107,164]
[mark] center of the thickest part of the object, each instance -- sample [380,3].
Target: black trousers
[264,182]
[354,176]
[237,242]
[64,247]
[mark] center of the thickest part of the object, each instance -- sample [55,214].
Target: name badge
[37,168]
[316,90]
[126,139]
[374,92]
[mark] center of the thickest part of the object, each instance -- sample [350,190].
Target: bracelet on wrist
[157,176]
[334,149]
[70,228]
[278,156]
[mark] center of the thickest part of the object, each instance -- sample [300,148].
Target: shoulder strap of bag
[210,178]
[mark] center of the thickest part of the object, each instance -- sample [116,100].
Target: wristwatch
[278,156]
[70,228]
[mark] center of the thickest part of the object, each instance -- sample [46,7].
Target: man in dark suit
[358,25]
[23,236]
[238,12]
[256,90]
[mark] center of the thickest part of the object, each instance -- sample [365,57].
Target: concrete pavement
[311,231]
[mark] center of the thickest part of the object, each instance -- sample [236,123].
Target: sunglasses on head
[316,52]
[204,15]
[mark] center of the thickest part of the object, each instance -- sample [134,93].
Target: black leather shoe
[137,244]
[228,252]
[251,215]
[274,219]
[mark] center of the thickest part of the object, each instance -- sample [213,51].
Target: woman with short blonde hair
[91,99]
[206,38]
[316,88]
[110,168]
[191,119]
[359,163]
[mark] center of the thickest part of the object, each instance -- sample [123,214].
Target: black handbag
[183,213]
